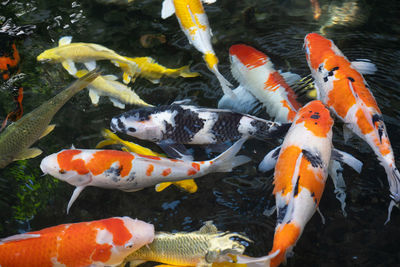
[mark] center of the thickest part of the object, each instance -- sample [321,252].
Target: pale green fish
[68,53]
[118,93]
[199,248]
[16,139]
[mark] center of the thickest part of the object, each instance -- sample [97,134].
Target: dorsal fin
[208,228]
[64,40]
[19,237]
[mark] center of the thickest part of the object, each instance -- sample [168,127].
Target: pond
[234,201]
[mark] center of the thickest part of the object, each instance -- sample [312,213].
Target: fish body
[256,73]
[300,174]
[96,243]
[130,171]
[341,86]
[68,54]
[184,124]
[108,85]
[16,139]
[199,248]
[194,23]
[148,68]
[188,185]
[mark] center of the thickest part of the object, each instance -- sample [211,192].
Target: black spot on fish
[315,160]
[61,171]
[320,68]
[121,126]
[226,127]
[377,120]
[114,173]
[269,129]
[281,213]
[187,124]
[276,153]
[351,79]
[334,69]
[326,79]
[330,73]
[296,187]
[131,129]
[315,116]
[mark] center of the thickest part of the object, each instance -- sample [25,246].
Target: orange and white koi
[256,74]
[130,171]
[300,174]
[194,23]
[96,243]
[341,86]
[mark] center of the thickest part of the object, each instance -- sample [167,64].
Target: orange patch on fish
[285,237]
[291,113]
[149,157]
[248,56]
[10,61]
[103,159]
[316,118]
[150,169]
[166,172]
[64,159]
[284,169]
[363,123]
[196,166]
[312,179]
[191,172]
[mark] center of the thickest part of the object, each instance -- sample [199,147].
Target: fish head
[66,167]
[48,56]
[316,118]
[121,236]
[140,123]
[317,49]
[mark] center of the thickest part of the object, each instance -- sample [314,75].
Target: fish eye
[129,245]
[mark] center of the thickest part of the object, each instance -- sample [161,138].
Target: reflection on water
[235,201]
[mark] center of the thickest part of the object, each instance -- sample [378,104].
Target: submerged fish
[300,174]
[182,124]
[256,74]
[194,23]
[188,185]
[118,93]
[148,68]
[199,248]
[16,139]
[68,53]
[130,171]
[96,243]
[341,86]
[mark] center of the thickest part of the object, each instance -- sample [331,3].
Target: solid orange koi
[102,242]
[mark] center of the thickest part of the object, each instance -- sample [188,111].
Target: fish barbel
[19,136]
[199,248]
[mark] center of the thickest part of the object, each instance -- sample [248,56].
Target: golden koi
[97,243]
[194,23]
[118,93]
[341,86]
[68,53]
[148,68]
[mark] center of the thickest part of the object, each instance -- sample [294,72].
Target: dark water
[234,201]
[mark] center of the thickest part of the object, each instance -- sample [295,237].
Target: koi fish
[130,171]
[258,79]
[118,93]
[96,243]
[16,114]
[16,139]
[300,174]
[189,185]
[341,86]
[194,23]
[173,125]
[68,53]
[151,70]
[199,248]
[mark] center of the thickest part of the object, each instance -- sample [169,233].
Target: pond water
[234,201]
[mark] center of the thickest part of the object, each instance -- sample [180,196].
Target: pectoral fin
[269,161]
[74,196]
[64,40]
[117,103]
[347,133]
[94,96]
[177,151]
[189,185]
[335,171]
[126,78]
[69,65]
[347,159]
[48,130]
[168,9]
[28,154]
[364,66]
[107,142]
[90,65]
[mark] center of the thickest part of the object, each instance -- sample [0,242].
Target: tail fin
[244,102]
[186,73]
[394,187]
[256,262]
[228,160]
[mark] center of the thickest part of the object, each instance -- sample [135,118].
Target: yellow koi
[148,68]
[119,93]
